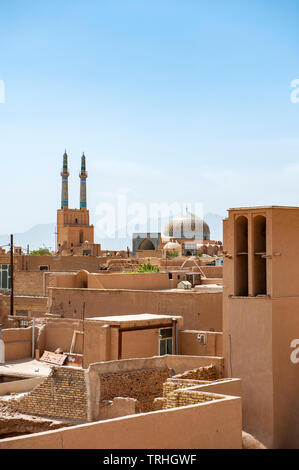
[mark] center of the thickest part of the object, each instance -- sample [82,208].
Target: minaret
[83,176]
[64,190]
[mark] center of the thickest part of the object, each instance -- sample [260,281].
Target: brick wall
[187,396]
[29,283]
[190,378]
[201,373]
[144,385]
[62,395]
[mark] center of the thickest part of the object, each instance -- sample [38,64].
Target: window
[165,341]
[44,268]
[169,275]
[4,276]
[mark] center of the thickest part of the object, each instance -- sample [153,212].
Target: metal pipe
[33,337]
[11,276]
[175,322]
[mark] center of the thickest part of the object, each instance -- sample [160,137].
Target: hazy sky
[171,100]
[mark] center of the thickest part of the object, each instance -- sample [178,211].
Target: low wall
[20,386]
[171,364]
[62,394]
[17,343]
[201,311]
[143,384]
[178,428]
[212,271]
[144,281]
[26,305]
[59,334]
[189,344]
[231,387]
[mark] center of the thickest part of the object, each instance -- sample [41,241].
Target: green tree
[41,252]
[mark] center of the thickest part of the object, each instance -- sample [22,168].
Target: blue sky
[185,101]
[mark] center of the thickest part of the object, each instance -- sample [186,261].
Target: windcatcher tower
[261,319]
[74,234]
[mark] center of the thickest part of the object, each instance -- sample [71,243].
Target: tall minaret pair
[82,175]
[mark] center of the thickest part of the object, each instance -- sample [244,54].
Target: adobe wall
[189,344]
[58,263]
[34,306]
[248,346]
[231,387]
[212,271]
[201,311]
[142,384]
[17,343]
[20,386]
[62,394]
[177,364]
[144,281]
[188,396]
[220,428]
[285,329]
[140,343]
[59,334]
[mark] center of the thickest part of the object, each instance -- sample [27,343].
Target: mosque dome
[187,227]
[172,246]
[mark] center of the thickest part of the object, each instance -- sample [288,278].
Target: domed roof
[172,246]
[188,227]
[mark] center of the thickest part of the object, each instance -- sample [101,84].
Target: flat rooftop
[25,368]
[261,207]
[138,320]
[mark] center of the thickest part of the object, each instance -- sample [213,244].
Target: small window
[4,276]
[22,313]
[169,275]
[44,268]
[165,341]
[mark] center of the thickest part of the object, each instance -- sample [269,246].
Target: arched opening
[188,253]
[146,244]
[81,236]
[241,261]
[259,261]
[81,279]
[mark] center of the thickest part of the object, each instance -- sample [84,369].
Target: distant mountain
[39,236]
[42,235]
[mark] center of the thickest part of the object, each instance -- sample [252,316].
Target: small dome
[188,227]
[172,246]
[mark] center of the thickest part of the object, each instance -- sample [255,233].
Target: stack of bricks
[144,385]
[63,394]
[202,373]
[173,384]
[177,391]
[185,397]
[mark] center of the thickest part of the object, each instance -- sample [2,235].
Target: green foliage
[172,254]
[147,268]
[41,252]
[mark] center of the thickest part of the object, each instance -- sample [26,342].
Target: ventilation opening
[259,261]
[241,279]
